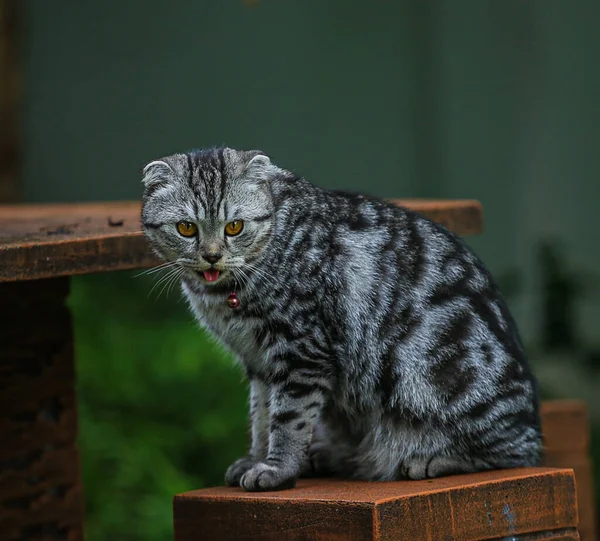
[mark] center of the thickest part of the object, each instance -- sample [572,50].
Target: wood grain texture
[565,425]
[43,241]
[40,487]
[483,506]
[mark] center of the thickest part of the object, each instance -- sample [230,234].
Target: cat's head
[209,212]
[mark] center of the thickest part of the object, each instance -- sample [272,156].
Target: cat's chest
[233,328]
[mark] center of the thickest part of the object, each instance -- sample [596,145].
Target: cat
[376,344]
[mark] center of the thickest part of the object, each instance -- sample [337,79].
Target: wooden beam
[40,482]
[9,101]
[44,241]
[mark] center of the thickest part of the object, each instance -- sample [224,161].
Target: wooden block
[585,491]
[40,486]
[482,506]
[465,218]
[565,425]
[46,241]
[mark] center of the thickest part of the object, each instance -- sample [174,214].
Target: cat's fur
[376,344]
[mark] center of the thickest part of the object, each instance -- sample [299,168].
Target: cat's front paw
[235,472]
[263,476]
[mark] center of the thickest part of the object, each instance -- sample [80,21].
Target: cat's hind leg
[328,455]
[318,462]
[319,457]
[417,468]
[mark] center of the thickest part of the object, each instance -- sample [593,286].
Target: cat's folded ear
[257,165]
[156,173]
[255,157]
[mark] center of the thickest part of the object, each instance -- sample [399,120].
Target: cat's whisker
[159,282]
[253,266]
[237,278]
[155,269]
[250,266]
[164,278]
[174,277]
[242,273]
[246,278]
[260,273]
[175,281]
[168,284]
[240,276]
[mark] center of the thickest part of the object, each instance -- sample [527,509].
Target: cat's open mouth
[209,275]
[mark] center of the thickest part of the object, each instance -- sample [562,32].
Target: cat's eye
[187,229]
[234,228]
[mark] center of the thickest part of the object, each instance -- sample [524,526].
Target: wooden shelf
[534,503]
[542,501]
[44,241]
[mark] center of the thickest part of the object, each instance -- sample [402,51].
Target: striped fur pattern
[376,344]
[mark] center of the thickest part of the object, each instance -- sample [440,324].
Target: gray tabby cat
[376,344]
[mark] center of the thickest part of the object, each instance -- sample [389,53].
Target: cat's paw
[235,472]
[263,476]
[437,466]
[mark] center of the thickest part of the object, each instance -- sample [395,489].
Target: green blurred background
[497,101]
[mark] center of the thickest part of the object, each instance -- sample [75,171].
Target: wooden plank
[40,486]
[10,90]
[565,425]
[464,217]
[476,507]
[43,241]
[585,490]
[482,511]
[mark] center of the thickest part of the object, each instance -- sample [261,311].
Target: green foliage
[162,408]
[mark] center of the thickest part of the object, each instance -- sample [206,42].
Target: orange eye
[187,229]
[234,228]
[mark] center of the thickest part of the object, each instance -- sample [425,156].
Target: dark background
[497,101]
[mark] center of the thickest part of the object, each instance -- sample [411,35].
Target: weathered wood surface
[40,488]
[565,424]
[536,503]
[43,241]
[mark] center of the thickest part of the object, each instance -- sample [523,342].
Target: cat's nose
[212,258]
